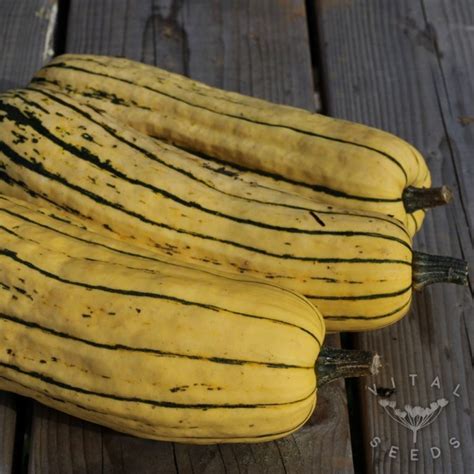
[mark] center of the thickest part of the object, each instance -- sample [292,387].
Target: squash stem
[334,363]
[428,269]
[423,198]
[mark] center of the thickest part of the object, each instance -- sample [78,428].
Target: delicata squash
[117,336]
[330,160]
[357,267]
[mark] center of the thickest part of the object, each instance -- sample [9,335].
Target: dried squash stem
[424,198]
[428,269]
[334,363]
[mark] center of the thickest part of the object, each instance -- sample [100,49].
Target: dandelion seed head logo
[414,418]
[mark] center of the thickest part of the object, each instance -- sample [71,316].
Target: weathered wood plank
[406,67]
[26,39]
[7,431]
[260,48]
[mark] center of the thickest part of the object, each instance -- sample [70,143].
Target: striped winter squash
[115,335]
[356,266]
[330,160]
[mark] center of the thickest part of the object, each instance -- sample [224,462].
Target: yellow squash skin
[330,160]
[115,335]
[354,266]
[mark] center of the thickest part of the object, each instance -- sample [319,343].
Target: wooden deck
[399,65]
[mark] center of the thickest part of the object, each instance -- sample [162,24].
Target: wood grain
[7,432]
[406,67]
[26,38]
[260,48]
